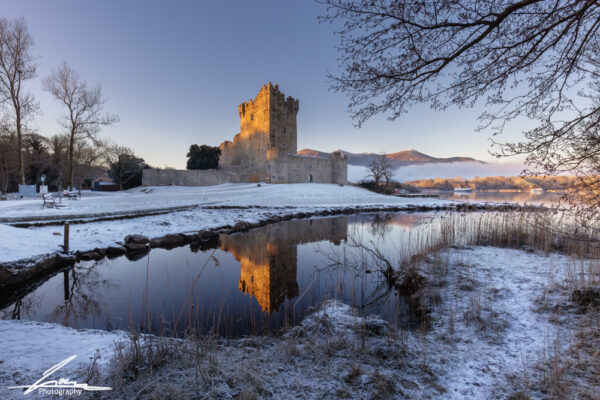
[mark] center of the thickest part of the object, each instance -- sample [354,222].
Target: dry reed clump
[542,230]
[570,361]
[586,298]
[140,356]
[383,386]
[352,376]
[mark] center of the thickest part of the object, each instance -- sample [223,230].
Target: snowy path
[499,333]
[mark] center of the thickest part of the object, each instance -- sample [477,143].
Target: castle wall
[300,169]
[192,177]
[283,134]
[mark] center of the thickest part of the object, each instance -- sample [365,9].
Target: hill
[399,159]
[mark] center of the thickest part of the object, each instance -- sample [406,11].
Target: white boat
[537,190]
[463,190]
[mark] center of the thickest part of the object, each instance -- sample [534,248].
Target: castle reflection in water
[268,256]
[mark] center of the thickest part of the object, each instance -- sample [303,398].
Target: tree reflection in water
[83,293]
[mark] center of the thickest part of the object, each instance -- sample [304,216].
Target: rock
[88,255]
[207,235]
[372,327]
[136,239]
[115,251]
[460,247]
[586,297]
[170,240]
[528,249]
[241,226]
[136,248]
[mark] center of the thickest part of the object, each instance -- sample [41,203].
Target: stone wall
[194,177]
[299,169]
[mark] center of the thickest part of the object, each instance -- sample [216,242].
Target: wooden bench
[73,195]
[49,200]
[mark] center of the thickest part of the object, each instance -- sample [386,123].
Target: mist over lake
[466,170]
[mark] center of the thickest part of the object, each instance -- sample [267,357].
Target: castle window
[251,117]
[283,131]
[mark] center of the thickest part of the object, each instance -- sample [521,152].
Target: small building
[104,184]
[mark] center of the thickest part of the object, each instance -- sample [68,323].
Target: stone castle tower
[267,130]
[265,150]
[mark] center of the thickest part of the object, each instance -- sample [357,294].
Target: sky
[175,72]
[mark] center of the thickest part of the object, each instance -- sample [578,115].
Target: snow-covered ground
[234,195]
[30,348]
[489,330]
[266,200]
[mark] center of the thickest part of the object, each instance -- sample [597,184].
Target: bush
[203,157]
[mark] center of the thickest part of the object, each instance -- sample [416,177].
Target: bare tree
[387,173]
[83,119]
[380,169]
[374,171]
[534,59]
[17,65]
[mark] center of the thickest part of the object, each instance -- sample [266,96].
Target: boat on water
[537,190]
[463,190]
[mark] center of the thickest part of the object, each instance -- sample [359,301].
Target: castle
[269,256]
[265,150]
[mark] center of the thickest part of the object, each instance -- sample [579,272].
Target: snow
[30,348]
[509,336]
[266,200]
[17,243]
[233,195]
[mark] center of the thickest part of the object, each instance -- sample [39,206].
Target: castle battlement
[268,141]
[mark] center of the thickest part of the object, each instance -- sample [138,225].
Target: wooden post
[66,285]
[66,236]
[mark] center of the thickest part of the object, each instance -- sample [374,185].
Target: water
[546,198]
[248,283]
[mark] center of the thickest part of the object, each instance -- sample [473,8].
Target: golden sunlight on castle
[269,256]
[265,150]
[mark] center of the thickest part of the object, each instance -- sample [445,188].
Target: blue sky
[175,72]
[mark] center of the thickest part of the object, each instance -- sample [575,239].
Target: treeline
[70,158]
[498,183]
[49,157]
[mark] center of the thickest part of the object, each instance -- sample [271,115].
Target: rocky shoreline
[16,276]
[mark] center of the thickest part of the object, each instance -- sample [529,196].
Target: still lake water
[247,283]
[525,197]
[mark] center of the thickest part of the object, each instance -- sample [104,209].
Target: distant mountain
[405,157]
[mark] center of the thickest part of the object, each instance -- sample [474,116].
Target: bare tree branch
[83,118]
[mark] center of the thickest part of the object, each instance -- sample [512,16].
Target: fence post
[66,236]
